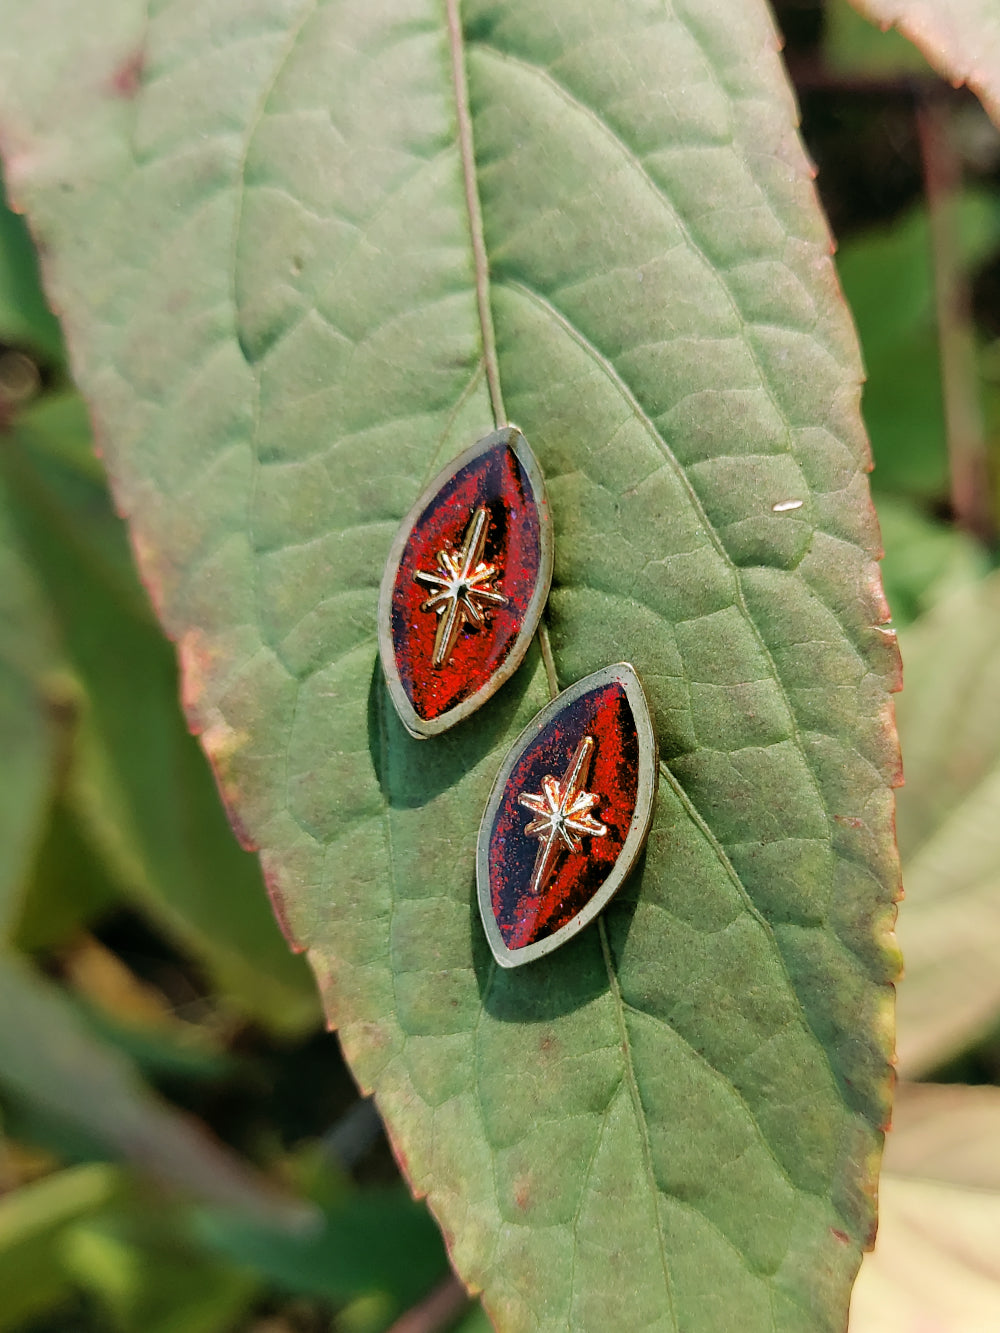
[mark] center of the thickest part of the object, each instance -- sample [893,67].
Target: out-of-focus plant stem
[970,487]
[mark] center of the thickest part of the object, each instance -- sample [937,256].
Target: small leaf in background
[925,560]
[475,1321]
[937,1263]
[33,1222]
[376,1241]
[32,720]
[144,1279]
[959,38]
[70,885]
[49,1060]
[854,45]
[136,1017]
[888,279]
[948,820]
[26,321]
[140,789]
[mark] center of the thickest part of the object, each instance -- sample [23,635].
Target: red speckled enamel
[496,481]
[606,715]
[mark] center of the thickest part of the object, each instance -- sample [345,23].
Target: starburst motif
[563,814]
[461,591]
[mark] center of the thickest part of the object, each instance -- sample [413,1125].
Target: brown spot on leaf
[178,301]
[127,78]
[842,1236]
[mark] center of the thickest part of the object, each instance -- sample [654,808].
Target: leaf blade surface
[688,1097]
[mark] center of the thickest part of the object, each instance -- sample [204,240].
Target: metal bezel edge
[418,727]
[642,817]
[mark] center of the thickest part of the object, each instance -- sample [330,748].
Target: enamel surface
[488,507]
[532,896]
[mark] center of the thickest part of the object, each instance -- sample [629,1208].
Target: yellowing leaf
[949,828]
[936,1264]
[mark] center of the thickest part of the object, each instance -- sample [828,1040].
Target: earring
[568,815]
[465,584]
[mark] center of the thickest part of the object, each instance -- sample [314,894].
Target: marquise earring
[465,583]
[568,815]
[463,592]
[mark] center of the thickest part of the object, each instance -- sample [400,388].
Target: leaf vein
[640,1113]
[473,205]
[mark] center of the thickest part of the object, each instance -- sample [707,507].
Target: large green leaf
[960,38]
[301,248]
[949,828]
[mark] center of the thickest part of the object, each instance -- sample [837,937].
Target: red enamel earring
[568,815]
[465,584]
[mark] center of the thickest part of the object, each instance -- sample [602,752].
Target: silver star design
[461,590]
[563,814]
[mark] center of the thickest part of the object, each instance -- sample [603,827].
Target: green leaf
[853,46]
[69,887]
[146,1279]
[50,1060]
[29,734]
[960,38]
[949,828]
[475,1321]
[25,319]
[376,1241]
[141,788]
[300,249]
[925,560]
[33,1220]
[935,1264]
[888,279]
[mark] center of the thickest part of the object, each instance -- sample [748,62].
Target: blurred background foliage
[181,1147]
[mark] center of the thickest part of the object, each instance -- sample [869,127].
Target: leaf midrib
[463,116]
[659,442]
[639,1112]
[492,368]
